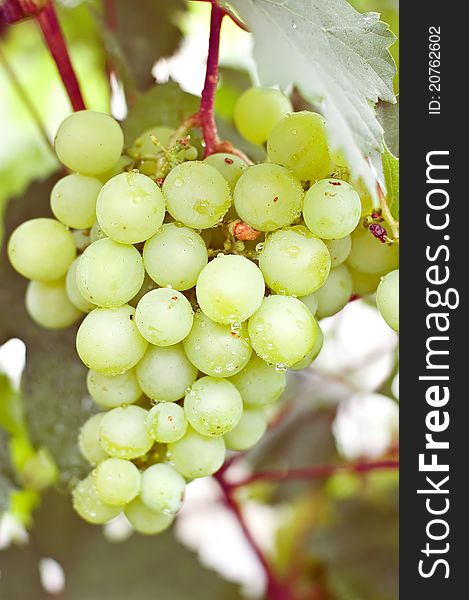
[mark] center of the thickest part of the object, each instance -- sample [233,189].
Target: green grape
[338,158]
[73,200]
[294,262]
[331,209]
[108,340]
[166,422]
[213,406]
[387,299]
[144,144]
[164,317]
[162,489]
[308,359]
[268,197]
[370,255]
[110,274]
[215,349]
[191,153]
[147,286]
[311,301]
[363,283]
[121,165]
[96,233]
[89,505]
[335,293]
[41,249]
[40,471]
[230,289]
[248,431]
[196,194]
[72,290]
[130,208]
[165,373]
[89,142]
[339,250]
[117,481]
[257,110]
[175,256]
[298,142]
[88,440]
[48,305]
[229,165]
[196,455]
[282,331]
[144,520]
[123,433]
[258,383]
[110,391]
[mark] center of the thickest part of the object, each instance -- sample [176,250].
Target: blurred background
[331,538]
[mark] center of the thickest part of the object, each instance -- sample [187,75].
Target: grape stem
[385,210]
[53,36]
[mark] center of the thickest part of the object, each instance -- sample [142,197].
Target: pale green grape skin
[335,293]
[144,145]
[123,433]
[282,331]
[230,289]
[144,520]
[108,340]
[164,317]
[165,373]
[294,262]
[73,292]
[196,455]
[249,430]
[130,208]
[88,440]
[41,249]
[268,197]
[229,165]
[110,391]
[308,359]
[213,406]
[298,142]
[331,209]
[363,283]
[73,200]
[48,305]
[89,505]
[258,383]
[215,349]
[370,255]
[339,250]
[387,299]
[117,481]
[162,489]
[175,256]
[311,301]
[166,422]
[110,274]
[89,142]
[196,194]
[338,158]
[118,167]
[96,233]
[147,286]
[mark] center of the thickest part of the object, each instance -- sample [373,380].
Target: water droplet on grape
[178,182]
[259,247]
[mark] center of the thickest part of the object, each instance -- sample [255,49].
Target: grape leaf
[388,116]
[338,59]
[391,179]
[7,484]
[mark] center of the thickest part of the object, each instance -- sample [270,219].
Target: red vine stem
[50,27]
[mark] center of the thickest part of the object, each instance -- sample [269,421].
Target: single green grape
[72,290]
[130,208]
[41,249]
[308,359]
[282,331]
[335,293]
[96,233]
[89,142]
[165,373]
[215,349]
[123,433]
[311,301]
[117,481]
[249,430]
[40,471]
[294,262]
[48,304]
[196,194]
[230,289]
[363,283]
[229,165]
[108,340]
[145,145]
[164,317]
[196,455]
[89,505]
[387,299]
[268,197]
[162,489]
[144,520]
[175,256]
[166,422]
[258,383]
[88,440]
[73,200]
[339,250]
[110,274]
[110,391]
[370,255]
[299,143]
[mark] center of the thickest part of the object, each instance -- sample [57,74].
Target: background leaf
[388,116]
[391,179]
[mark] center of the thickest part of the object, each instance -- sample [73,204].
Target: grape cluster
[190,325]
